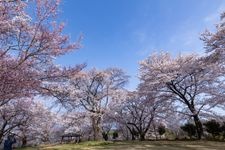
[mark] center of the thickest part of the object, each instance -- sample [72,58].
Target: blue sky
[120,33]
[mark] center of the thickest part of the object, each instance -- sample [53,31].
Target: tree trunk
[142,137]
[131,132]
[199,127]
[132,137]
[127,137]
[1,138]
[24,141]
[96,128]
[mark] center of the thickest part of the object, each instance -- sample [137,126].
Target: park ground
[137,145]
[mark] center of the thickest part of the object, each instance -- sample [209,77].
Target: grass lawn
[145,145]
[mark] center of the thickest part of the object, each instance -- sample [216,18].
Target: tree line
[173,90]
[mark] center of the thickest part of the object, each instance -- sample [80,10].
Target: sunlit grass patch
[133,145]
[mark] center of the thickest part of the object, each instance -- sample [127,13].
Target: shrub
[190,129]
[222,129]
[213,127]
[161,130]
[105,136]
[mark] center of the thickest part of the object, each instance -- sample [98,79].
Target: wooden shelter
[71,137]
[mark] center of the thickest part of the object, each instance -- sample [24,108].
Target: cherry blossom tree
[41,126]
[13,115]
[29,120]
[33,36]
[138,112]
[214,46]
[91,92]
[214,42]
[30,39]
[186,80]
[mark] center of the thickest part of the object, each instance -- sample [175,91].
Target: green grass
[145,145]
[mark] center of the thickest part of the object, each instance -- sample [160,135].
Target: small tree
[213,127]
[161,130]
[190,129]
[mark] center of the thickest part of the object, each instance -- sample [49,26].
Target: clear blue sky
[120,33]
